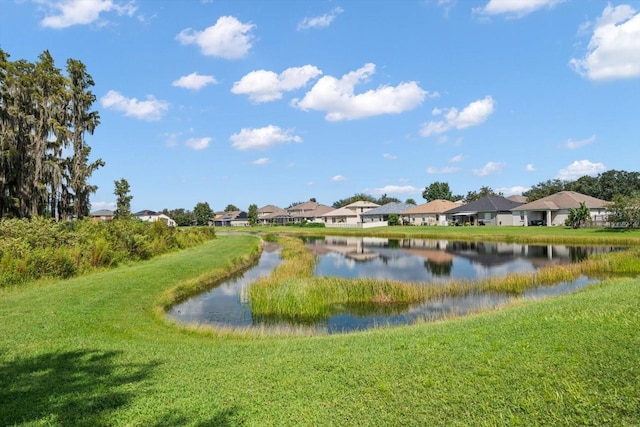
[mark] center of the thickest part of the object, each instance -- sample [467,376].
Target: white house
[152,216]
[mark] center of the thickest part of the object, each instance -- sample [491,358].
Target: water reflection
[409,260]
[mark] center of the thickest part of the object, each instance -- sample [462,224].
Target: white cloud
[337,97]
[570,144]
[262,138]
[580,168]
[389,156]
[530,167]
[338,178]
[261,161]
[614,49]
[264,86]
[456,159]
[397,189]
[150,110]
[198,143]
[96,206]
[448,169]
[473,114]
[320,21]
[509,191]
[67,13]
[228,38]
[194,81]
[489,169]
[516,8]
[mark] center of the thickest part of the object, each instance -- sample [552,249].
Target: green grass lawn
[93,351]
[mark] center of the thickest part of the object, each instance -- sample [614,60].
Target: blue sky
[275,102]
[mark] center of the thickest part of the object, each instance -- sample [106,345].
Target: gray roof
[102,212]
[389,208]
[486,204]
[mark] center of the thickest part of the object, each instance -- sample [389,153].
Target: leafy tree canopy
[231,208]
[202,213]
[437,190]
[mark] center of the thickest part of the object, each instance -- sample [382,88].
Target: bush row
[41,248]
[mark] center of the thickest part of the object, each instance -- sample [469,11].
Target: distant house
[102,215]
[431,213]
[517,198]
[231,219]
[274,215]
[349,216]
[554,209]
[490,210]
[152,216]
[379,217]
[308,211]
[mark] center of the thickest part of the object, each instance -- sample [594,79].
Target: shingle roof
[432,207]
[102,212]
[340,212]
[272,211]
[562,200]
[390,208]
[486,204]
[362,204]
[146,212]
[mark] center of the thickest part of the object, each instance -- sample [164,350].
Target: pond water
[410,260]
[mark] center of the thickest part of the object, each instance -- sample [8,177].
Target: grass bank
[92,351]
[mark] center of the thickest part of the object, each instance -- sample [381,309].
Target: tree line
[45,116]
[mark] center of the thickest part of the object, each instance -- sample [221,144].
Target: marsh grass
[292,294]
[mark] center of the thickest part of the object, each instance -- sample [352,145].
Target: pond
[409,260]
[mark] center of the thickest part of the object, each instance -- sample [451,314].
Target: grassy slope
[91,351]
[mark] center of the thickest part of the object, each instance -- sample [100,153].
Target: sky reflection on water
[410,260]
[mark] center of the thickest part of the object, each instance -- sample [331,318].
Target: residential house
[231,219]
[273,215]
[153,216]
[102,215]
[349,216]
[490,210]
[554,209]
[431,213]
[379,217]
[308,211]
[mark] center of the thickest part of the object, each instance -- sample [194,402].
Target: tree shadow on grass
[67,388]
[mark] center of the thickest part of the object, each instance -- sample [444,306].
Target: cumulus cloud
[194,81]
[397,189]
[228,38]
[337,97]
[571,144]
[510,191]
[490,168]
[150,110]
[320,21]
[614,49]
[530,167]
[338,178]
[580,168]
[473,114]
[262,138]
[515,8]
[66,13]
[198,143]
[265,86]
[448,169]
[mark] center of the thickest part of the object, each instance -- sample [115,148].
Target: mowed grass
[94,351]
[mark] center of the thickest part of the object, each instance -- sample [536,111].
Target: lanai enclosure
[554,209]
[491,210]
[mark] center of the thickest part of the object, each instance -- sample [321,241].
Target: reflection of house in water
[355,248]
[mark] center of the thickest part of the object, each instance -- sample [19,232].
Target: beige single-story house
[431,213]
[152,216]
[349,216]
[379,217]
[554,209]
[102,215]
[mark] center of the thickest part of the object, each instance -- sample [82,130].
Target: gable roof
[147,212]
[308,210]
[102,212]
[362,204]
[486,204]
[271,211]
[516,198]
[432,207]
[389,208]
[563,200]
